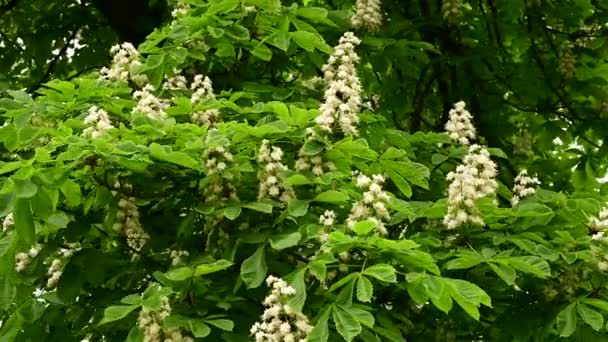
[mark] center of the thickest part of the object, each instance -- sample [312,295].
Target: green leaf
[414,173]
[593,318]
[364,289]
[24,188]
[262,52]
[305,40]
[469,296]
[600,304]
[164,153]
[345,280]
[224,324]
[528,264]
[464,262]
[24,222]
[382,272]
[566,321]
[320,332]
[297,208]
[312,147]
[346,324]
[296,280]
[199,329]
[116,312]
[285,240]
[179,274]
[238,32]
[212,267]
[136,334]
[254,269]
[401,183]
[232,212]
[505,272]
[331,196]
[263,207]
[364,227]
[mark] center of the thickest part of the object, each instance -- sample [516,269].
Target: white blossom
[149,104]
[368,15]
[7,223]
[127,222]
[524,186]
[343,94]
[219,188]
[55,270]
[23,259]
[176,82]
[202,89]
[271,183]
[176,256]
[125,57]
[567,61]
[98,123]
[600,225]
[472,180]
[459,125]
[373,206]
[180,9]
[151,321]
[451,10]
[280,322]
[327,218]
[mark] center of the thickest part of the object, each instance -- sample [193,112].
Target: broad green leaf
[528,264]
[505,272]
[590,316]
[116,312]
[179,274]
[199,329]
[24,222]
[232,212]
[364,227]
[331,196]
[382,272]
[320,332]
[297,208]
[296,280]
[212,267]
[262,52]
[254,269]
[364,289]
[224,324]
[263,207]
[164,153]
[464,262]
[346,324]
[566,321]
[285,240]
[598,303]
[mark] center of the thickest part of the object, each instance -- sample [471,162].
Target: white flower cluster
[180,9]
[474,179]
[98,121]
[127,222]
[56,269]
[176,82]
[176,256]
[524,186]
[151,321]
[149,104]
[368,15]
[125,58]
[271,183]
[567,61]
[23,260]
[280,322]
[343,94]
[219,188]
[459,126]
[203,91]
[7,223]
[600,225]
[315,164]
[373,205]
[451,10]
[327,220]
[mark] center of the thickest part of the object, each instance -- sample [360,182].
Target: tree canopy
[266,170]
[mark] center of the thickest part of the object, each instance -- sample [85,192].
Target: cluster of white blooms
[176,82]
[7,223]
[151,321]
[125,58]
[473,179]
[98,123]
[280,322]
[567,61]
[176,256]
[127,222]
[327,220]
[368,15]
[451,10]
[219,188]
[524,186]
[315,164]
[459,126]
[149,104]
[600,225]
[55,271]
[271,183]
[203,91]
[343,94]
[22,260]
[373,205]
[348,257]
[180,9]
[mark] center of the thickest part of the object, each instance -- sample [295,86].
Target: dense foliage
[316,170]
